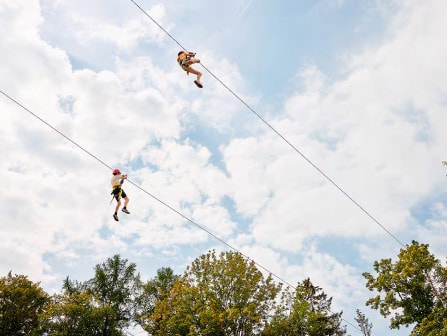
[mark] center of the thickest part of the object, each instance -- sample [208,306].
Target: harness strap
[182,62]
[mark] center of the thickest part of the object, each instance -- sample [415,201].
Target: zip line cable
[278,133]
[136,185]
[152,195]
[140,188]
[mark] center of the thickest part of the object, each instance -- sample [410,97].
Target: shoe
[125,210]
[198,84]
[115,217]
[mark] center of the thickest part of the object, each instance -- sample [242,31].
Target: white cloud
[24,23]
[434,230]
[56,199]
[16,258]
[377,133]
[126,35]
[216,105]
[338,280]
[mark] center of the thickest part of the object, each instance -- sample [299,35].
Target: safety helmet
[116,172]
[181,52]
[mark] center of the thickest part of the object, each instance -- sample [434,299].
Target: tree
[175,314]
[154,291]
[104,305]
[76,314]
[414,290]
[21,301]
[71,287]
[116,285]
[363,323]
[221,294]
[307,311]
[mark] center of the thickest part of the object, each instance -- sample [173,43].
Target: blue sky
[359,87]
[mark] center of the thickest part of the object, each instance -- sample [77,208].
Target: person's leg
[117,194]
[192,61]
[118,204]
[195,72]
[124,209]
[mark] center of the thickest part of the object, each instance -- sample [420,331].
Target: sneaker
[115,217]
[125,211]
[199,85]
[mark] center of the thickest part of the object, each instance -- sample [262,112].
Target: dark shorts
[118,193]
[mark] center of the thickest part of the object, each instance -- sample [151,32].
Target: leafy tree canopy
[307,311]
[77,314]
[104,305]
[219,294]
[21,301]
[412,290]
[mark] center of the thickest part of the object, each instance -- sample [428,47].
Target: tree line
[221,294]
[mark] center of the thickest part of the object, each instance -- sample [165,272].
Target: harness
[117,191]
[182,60]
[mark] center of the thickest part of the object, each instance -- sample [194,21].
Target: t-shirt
[116,180]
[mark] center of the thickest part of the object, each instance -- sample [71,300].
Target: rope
[279,134]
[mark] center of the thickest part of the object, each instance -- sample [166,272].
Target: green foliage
[363,323]
[73,287]
[218,295]
[175,313]
[77,314]
[21,301]
[154,291]
[116,285]
[105,305]
[305,312]
[413,290]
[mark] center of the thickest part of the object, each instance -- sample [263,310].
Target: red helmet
[116,172]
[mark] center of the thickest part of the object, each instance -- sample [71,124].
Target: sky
[359,87]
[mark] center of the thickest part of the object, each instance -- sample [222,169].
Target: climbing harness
[185,59]
[118,192]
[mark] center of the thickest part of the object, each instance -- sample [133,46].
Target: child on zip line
[118,192]
[185,60]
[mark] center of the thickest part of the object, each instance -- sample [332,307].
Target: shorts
[118,193]
[185,64]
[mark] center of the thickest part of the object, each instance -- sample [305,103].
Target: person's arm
[122,178]
[190,53]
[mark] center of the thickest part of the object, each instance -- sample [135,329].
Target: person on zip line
[118,192]
[185,60]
